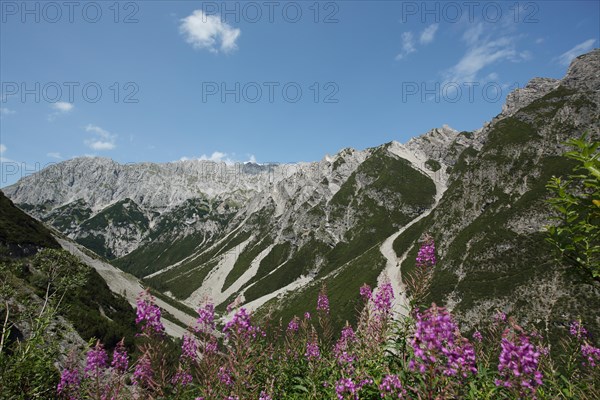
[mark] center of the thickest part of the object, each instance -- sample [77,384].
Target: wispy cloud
[209,32]
[2,148]
[428,34]
[408,45]
[409,41]
[483,51]
[568,56]
[6,111]
[104,140]
[54,155]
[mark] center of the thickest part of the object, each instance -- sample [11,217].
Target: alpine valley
[269,236]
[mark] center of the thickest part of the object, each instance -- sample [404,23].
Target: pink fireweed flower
[264,396]
[96,359]
[211,346]
[307,316]
[346,386]
[182,378]
[120,361]
[242,326]
[69,383]
[477,336]
[391,386]
[148,314]
[426,256]
[500,317]
[189,348]
[312,350]
[518,364]
[438,346]
[206,318]
[577,330]
[383,298]
[323,302]
[591,354]
[143,374]
[365,292]
[293,325]
[225,376]
[341,350]
[348,335]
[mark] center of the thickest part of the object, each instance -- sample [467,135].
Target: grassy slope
[93,309]
[385,193]
[488,264]
[163,247]
[19,229]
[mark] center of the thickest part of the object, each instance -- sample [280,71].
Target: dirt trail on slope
[128,286]
[400,305]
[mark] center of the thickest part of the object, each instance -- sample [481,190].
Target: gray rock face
[535,89]
[584,73]
[100,182]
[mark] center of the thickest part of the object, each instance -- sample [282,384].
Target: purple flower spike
[426,256]
[323,302]
[97,359]
[120,360]
[148,314]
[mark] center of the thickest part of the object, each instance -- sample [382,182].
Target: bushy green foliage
[28,348]
[27,369]
[576,234]
[433,165]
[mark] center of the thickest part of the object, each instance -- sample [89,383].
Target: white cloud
[2,151]
[209,32]
[483,51]
[62,106]
[54,155]
[104,140]
[408,40]
[219,156]
[471,35]
[566,57]
[408,45]
[6,111]
[428,34]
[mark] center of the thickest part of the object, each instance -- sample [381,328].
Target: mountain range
[269,236]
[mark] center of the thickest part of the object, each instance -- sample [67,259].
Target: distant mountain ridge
[271,235]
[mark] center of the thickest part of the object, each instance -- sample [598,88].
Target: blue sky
[271,82]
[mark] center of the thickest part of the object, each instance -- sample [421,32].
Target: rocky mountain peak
[584,72]
[535,88]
